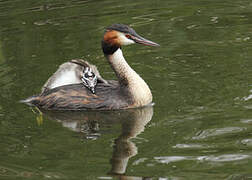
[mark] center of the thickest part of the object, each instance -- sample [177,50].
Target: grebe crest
[89,79]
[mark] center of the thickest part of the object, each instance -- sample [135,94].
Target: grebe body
[65,89]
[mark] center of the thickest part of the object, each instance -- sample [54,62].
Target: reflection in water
[132,122]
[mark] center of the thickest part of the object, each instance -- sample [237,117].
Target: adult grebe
[129,92]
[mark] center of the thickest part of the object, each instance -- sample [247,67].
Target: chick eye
[128,36]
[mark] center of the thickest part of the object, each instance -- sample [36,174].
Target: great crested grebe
[64,91]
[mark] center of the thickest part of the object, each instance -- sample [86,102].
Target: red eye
[128,36]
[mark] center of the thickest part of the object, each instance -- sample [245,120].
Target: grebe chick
[130,91]
[72,72]
[89,79]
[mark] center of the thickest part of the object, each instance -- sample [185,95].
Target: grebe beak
[140,40]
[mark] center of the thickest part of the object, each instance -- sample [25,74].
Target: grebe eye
[128,36]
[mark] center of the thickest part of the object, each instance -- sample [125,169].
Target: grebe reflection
[133,122]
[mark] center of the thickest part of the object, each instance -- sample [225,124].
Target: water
[200,126]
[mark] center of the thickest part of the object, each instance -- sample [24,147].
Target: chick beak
[140,40]
[92,90]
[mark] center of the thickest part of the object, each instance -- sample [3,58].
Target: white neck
[136,86]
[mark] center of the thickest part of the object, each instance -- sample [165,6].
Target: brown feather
[77,97]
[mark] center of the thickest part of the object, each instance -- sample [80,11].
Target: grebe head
[118,35]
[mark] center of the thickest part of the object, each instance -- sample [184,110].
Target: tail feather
[31,101]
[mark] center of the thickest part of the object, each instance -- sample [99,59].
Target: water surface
[200,126]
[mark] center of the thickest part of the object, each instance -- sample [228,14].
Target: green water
[200,77]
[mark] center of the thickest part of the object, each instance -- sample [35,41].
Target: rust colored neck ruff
[110,42]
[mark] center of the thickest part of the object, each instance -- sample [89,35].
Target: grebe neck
[136,87]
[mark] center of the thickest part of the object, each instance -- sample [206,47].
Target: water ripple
[169,159]
[247,142]
[190,146]
[144,19]
[212,158]
[225,158]
[249,97]
[246,121]
[217,132]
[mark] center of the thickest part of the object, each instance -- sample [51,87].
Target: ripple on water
[248,107]
[239,176]
[247,142]
[217,132]
[226,157]
[212,158]
[8,172]
[246,121]
[141,160]
[190,146]
[4,171]
[105,177]
[169,159]
[247,97]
